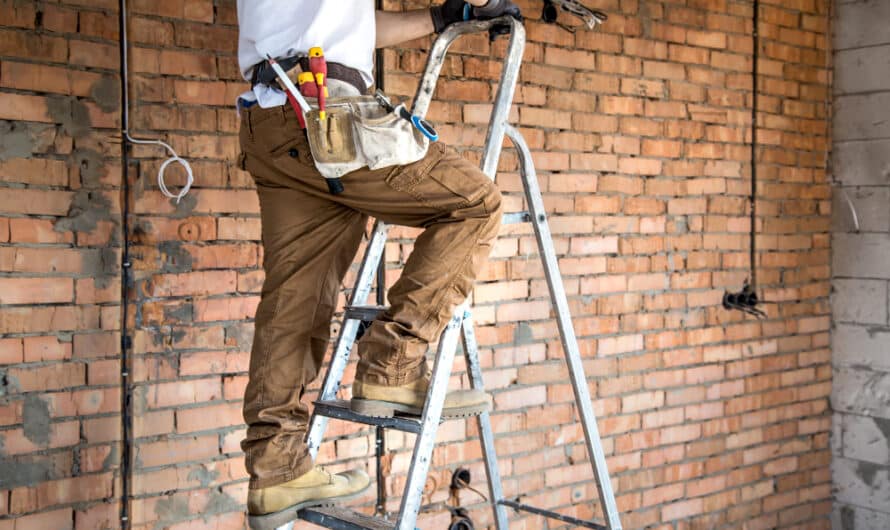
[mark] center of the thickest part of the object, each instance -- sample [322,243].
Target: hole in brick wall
[38,19]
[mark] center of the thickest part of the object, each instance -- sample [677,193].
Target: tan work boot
[381,401]
[269,508]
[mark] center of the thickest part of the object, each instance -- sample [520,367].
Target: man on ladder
[311,232]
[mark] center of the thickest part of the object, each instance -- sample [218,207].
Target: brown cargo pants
[310,238]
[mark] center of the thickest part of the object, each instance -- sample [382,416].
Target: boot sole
[388,409]
[271,521]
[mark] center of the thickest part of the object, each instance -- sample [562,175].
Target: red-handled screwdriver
[306,81]
[319,67]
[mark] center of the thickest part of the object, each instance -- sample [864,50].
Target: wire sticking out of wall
[125,122]
[747,300]
[174,158]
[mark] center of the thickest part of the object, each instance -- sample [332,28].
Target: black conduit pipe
[754,80]
[747,300]
[126,342]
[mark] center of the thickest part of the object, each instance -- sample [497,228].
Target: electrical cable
[855,215]
[125,120]
[175,158]
[754,108]
[126,342]
[747,300]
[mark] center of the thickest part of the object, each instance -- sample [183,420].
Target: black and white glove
[458,11]
[447,14]
[497,8]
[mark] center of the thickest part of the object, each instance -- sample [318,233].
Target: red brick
[192,283]
[166,452]
[57,519]
[46,349]
[11,351]
[208,418]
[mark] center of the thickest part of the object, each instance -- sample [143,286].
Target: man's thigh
[441,184]
[438,185]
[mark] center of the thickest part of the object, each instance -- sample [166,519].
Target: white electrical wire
[852,210]
[190,177]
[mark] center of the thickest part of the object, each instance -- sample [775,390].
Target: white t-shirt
[345,29]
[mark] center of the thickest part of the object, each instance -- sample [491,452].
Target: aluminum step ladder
[460,327]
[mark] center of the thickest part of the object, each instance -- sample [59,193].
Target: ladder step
[516,218]
[342,519]
[339,409]
[364,312]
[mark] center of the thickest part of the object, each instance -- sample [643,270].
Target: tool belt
[264,74]
[358,132]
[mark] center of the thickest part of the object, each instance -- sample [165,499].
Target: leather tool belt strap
[263,72]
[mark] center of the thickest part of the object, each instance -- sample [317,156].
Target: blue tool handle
[425,128]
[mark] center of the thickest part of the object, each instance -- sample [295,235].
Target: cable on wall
[126,342]
[126,269]
[747,300]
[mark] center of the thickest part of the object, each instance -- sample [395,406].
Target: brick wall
[860,304]
[59,265]
[710,419]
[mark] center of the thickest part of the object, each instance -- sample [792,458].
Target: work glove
[458,11]
[495,9]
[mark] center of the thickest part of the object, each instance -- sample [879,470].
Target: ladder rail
[494,140]
[566,329]
[432,413]
[373,253]
[483,421]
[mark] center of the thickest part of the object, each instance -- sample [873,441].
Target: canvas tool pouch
[360,132]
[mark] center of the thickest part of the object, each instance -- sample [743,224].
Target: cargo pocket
[443,180]
[386,138]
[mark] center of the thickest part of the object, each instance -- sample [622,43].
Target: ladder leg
[432,413]
[566,330]
[346,338]
[493,474]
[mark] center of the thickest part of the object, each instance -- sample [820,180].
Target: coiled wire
[174,158]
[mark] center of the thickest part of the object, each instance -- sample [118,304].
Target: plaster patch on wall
[171,510]
[16,474]
[87,208]
[240,335]
[523,334]
[174,258]
[106,93]
[203,475]
[220,502]
[184,207]
[71,113]
[36,420]
[91,166]
[16,140]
